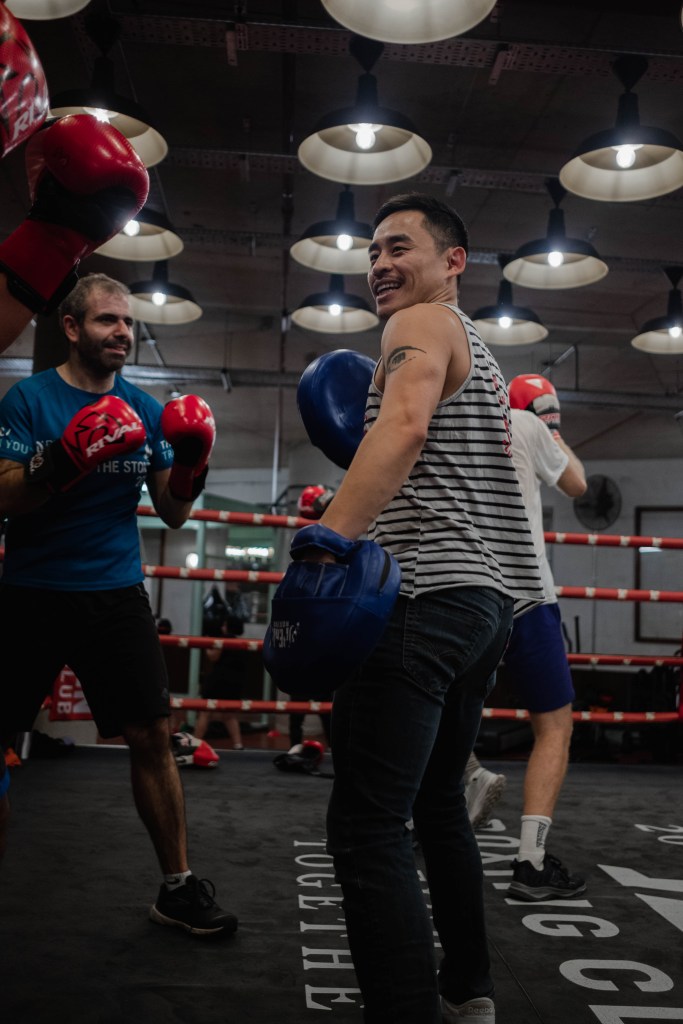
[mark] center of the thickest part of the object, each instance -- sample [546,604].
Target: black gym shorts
[109,640]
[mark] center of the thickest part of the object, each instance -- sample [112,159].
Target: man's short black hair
[444,225]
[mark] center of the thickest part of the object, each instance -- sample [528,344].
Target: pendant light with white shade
[664,334]
[409,21]
[102,101]
[555,261]
[505,323]
[335,311]
[147,238]
[160,301]
[45,10]
[338,246]
[365,144]
[631,161]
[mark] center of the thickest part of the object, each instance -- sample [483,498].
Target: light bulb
[159,298]
[675,331]
[555,258]
[366,134]
[132,228]
[334,309]
[505,322]
[626,155]
[344,242]
[99,113]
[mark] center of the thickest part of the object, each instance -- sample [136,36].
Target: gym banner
[68,703]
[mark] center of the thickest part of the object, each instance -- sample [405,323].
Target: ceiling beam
[209,375]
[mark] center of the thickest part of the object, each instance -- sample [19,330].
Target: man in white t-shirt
[536,659]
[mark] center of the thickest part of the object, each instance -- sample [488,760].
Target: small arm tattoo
[399,356]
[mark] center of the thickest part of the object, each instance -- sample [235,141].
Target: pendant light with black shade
[338,246]
[505,323]
[664,334]
[555,261]
[409,21]
[102,101]
[335,311]
[631,161]
[365,144]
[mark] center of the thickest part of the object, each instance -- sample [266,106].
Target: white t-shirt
[538,459]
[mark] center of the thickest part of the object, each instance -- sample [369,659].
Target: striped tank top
[459,519]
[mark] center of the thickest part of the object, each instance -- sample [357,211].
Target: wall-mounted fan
[600,506]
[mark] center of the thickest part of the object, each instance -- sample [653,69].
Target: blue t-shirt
[86,538]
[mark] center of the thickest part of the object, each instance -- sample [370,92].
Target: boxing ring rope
[295,522]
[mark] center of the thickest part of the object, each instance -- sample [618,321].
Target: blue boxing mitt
[331,397]
[326,618]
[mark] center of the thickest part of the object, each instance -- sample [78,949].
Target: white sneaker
[482,791]
[474,1009]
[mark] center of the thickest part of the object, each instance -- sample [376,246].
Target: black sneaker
[553,881]
[192,906]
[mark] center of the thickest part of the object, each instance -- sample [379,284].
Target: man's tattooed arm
[399,356]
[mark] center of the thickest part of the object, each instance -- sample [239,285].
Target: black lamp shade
[581,264]
[355,314]
[525,327]
[664,334]
[332,152]
[156,240]
[317,247]
[657,168]
[123,113]
[179,307]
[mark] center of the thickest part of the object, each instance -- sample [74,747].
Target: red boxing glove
[97,433]
[188,425]
[86,182]
[25,100]
[313,501]
[536,394]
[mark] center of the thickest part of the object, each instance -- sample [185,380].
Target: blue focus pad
[326,619]
[331,397]
[319,536]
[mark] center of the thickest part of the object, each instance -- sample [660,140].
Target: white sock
[175,881]
[535,829]
[471,767]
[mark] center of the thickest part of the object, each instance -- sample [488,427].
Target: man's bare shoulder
[433,316]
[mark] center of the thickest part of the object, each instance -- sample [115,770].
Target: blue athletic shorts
[536,660]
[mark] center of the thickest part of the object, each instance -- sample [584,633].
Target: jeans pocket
[449,633]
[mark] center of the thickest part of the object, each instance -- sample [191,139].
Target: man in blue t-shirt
[77,442]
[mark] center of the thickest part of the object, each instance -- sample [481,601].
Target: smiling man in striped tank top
[432,482]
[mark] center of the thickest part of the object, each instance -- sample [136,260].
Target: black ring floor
[77,946]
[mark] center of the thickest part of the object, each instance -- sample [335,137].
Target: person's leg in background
[483,790]
[296,727]
[537,661]
[232,724]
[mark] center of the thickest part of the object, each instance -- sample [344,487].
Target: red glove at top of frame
[25,100]
[536,394]
[188,425]
[86,182]
[98,432]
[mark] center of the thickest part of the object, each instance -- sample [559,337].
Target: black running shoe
[192,906]
[553,881]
